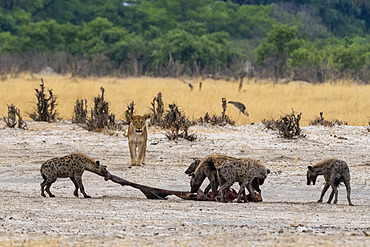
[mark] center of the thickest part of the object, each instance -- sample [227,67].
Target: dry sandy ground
[119,216]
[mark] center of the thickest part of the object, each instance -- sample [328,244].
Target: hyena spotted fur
[71,166]
[207,169]
[335,171]
[243,171]
[199,170]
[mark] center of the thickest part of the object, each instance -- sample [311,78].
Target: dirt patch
[119,215]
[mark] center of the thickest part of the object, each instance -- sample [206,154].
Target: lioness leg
[132,153]
[141,158]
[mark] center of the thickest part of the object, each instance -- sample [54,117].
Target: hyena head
[196,181]
[97,168]
[311,175]
[138,123]
[192,167]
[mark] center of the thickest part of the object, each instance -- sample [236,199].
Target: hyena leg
[207,189]
[333,192]
[348,187]
[251,192]
[331,196]
[224,190]
[336,195]
[80,185]
[43,184]
[242,189]
[243,194]
[214,185]
[75,193]
[49,182]
[326,187]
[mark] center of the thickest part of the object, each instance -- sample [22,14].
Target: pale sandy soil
[120,216]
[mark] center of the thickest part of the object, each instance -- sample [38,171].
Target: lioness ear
[310,168]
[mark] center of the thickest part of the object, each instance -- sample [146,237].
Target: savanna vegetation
[343,101]
[308,40]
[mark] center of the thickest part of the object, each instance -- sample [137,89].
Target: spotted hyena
[206,168]
[334,171]
[192,167]
[71,166]
[243,171]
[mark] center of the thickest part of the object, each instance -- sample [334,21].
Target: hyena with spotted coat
[334,171]
[243,171]
[71,166]
[207,169]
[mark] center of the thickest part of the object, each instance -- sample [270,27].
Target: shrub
[80,112]
[287,125]
[11,120]
[321,121]
[100,117]
[129,112]
[45,108]
[176,121]
[157,110]
[218,120]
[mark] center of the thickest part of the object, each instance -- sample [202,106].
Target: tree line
[307,40]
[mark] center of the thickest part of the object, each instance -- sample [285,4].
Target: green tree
[275,51]
[351,60]
[42,36]
[9,42]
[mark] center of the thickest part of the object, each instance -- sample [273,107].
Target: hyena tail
[337,180]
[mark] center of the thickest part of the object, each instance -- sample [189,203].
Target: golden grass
[345,101]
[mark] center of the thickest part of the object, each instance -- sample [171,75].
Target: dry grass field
[345,101]
[122,216]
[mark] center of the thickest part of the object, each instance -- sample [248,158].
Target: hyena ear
[268,171]
[97,163]
[310,168]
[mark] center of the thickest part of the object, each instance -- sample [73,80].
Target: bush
[321,121]
[176,121]
[80,112]
[100,117]
[287,125]
[45,108]
[157,110]
[218,120]
[11,120]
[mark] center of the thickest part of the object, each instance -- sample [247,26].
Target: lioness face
[139,123]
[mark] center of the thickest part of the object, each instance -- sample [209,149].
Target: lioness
[137,137]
